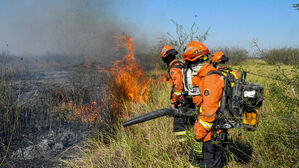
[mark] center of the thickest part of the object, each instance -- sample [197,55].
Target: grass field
[152,144]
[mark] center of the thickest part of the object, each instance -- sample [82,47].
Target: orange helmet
[195,50]
[164,50]
[168,54]
[219,57]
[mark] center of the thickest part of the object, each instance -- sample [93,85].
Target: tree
[178,40]
[182,36]
[296,6]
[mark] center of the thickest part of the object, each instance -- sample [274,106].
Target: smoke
[82,27]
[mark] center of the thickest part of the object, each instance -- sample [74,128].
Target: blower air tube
[152,115]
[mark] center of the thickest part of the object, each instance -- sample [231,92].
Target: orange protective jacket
[211,87]
[176,79]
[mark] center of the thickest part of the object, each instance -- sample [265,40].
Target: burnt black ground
[43,133]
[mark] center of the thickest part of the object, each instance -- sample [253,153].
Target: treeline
[275,56]
[287,56]
[236,55]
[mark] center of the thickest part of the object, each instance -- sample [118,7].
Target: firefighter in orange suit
[205,84]
[168,55]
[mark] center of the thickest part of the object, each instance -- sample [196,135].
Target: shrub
[236,55]
[183,36]
[285,56]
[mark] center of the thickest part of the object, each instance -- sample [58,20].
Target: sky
[35,27]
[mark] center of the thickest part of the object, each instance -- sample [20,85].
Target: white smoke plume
[74,27]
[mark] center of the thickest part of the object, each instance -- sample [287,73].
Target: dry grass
[152,144]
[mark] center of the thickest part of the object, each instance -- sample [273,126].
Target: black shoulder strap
[214,72]
[177,64]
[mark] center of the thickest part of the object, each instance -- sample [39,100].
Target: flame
[87,64]
[85,112]
[128,81]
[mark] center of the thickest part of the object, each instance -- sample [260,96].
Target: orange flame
[87,64]
[128,81]
[86,112]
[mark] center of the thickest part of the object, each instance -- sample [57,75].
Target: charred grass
[32,106]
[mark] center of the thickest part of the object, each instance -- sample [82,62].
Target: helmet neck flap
[169,56]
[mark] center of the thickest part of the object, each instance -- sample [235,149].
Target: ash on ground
[36,119]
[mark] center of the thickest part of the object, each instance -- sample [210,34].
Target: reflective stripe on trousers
[181,136]
[206,125]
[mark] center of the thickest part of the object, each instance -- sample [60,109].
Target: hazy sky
[36,27]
